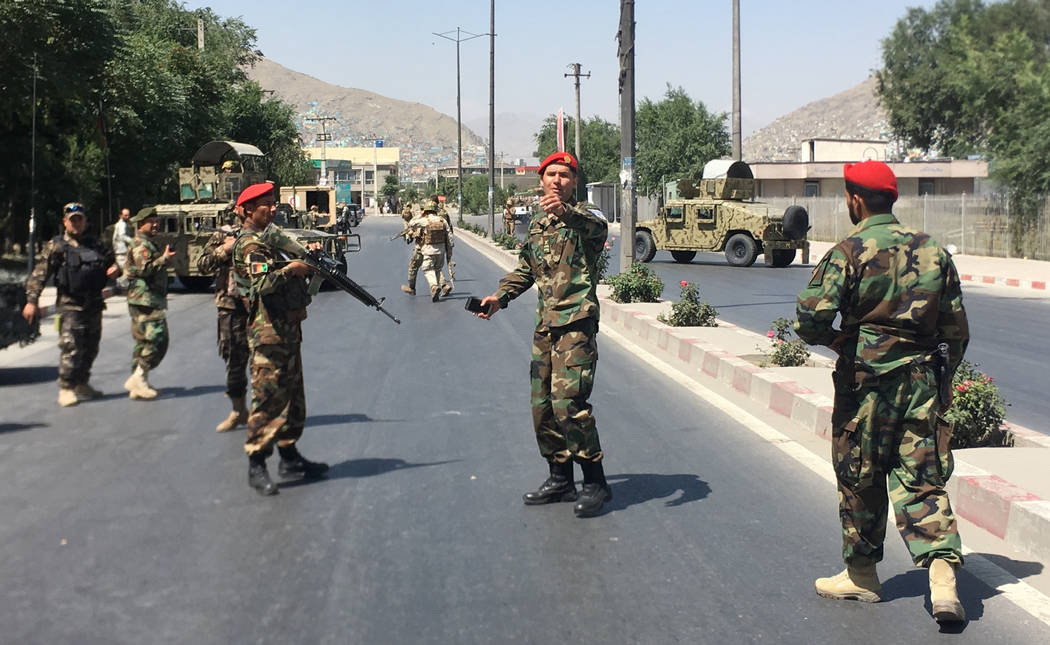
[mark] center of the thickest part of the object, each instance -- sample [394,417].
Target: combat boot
[435,293]
[67,397]
[137,385]
[943,596]
[294,464]
[409,290]
[446,289]
[85,392]
[259,477]
[596,490]
[854,583]
[559,487]
[238,416]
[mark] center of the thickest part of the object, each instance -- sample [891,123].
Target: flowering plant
[688,311]
[784,351]
[977,410]
[638,284]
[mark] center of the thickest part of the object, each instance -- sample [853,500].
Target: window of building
[811,189]
[926,186]
[369,177]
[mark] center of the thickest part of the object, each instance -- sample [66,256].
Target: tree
[599,147]
[675,138]
[476,195]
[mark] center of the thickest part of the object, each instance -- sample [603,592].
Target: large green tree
[599,147]
[675,137]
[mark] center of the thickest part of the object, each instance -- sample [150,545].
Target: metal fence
[976,225]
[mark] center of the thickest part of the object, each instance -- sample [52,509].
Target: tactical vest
[434,233]
[83,271]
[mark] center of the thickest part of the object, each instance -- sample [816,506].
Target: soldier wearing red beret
[903,332]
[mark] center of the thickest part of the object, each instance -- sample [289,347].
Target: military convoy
[719,213]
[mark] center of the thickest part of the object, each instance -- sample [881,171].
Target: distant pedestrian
[80,266]
[147,302]
[898,295]
[559,257]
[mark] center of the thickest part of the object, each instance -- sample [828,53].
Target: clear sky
[792,52]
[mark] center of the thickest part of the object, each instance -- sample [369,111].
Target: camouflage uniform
[899,296]
[508,219]
[434,245]
[233,316]
[147,300]
[277,303]
[559,258]
[79,306]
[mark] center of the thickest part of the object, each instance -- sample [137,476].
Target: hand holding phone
[474,306]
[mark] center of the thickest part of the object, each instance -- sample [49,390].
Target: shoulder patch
[817,278]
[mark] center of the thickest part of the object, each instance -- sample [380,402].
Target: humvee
[719,213]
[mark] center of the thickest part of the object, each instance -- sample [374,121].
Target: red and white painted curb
[1003,282]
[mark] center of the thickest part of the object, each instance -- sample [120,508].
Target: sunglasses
[75,208]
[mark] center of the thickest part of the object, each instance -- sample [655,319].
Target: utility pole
[575,67]
[625,52]
[459,111]
[377,142]
[200,33]
[492,114]
[737,150]
[32,179]
[324,138]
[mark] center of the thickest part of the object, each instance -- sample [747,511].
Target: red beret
[873,175]
[563,158]
[253,192]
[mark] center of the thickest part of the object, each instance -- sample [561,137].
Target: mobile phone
[474,305]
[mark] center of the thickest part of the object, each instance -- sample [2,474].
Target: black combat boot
[259,477]
[559,487]
[595,490]
[295,465]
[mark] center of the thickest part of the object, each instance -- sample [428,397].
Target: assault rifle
[405,232]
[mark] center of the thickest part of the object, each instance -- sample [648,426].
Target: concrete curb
[1003,282]
[1016,516]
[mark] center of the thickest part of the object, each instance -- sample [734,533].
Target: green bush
[977,411]
[507,241]
[601,265]
[639,284]
[784,351]
[689,311]
[473,228]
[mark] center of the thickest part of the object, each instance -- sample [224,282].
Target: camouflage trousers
[890,429]
[432,265]
[508,225]
[233,348]
[562,376]
[278,398]
[149,329]
[414,263]
[78,338]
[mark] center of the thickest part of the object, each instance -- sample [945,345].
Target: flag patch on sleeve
[259,267]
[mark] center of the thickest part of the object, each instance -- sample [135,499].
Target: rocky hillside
[852,114]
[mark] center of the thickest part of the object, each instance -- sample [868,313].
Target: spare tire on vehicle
[796,222]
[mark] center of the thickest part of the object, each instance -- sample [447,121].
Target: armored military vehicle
[718,213]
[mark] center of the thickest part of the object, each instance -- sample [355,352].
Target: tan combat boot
[435,293]
[137,385]
[85,392]
[409,290]
[855,583]
[446,289]
[239,416]
[67,397]
[943,596]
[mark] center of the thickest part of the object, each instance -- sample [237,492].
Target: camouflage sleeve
[261,265]
[822,299]
[592,228]
[517,281]
[142,263]
[213,255]
[43,271]
[952,326]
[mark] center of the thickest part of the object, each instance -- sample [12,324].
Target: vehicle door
[677,230]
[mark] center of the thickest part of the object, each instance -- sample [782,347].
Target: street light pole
[576,73]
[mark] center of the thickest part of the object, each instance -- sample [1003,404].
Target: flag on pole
[561,130]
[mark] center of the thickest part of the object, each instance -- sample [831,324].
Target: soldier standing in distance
[508,218]
[899,297]
[217,259]
[412,236]
[80,266]
[276,292]
[147,301]
[559,257]
[122,236]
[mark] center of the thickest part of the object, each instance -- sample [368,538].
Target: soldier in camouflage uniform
[217,258]
[434,245]
[147,271]
[80,266]
[898,295]
[508,218]
[416,261]
[275,287]
[559,258]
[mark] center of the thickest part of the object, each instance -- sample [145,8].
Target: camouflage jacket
[54,261]
[214,259]
[275,298]
[559,258]
[427,231]
[147,271]
[898,294]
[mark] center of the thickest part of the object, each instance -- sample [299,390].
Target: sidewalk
[1002,490]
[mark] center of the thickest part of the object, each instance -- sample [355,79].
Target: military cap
[228,164]
[873,175]
[253,192]
[430,207]
[74,208]
[563,158]
[144,212]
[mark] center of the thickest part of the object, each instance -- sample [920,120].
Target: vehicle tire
[683,257]
[741,250]
[196,282]
[783,257]
[796,222]
[644,246]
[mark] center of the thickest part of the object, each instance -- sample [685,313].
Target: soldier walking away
[122,236]
[147,302]
[277,296]
[412,236]
[559,257]
[217,259]
[80,266]
[903,333]
[435,246]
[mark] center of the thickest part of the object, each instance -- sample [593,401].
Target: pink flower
[683,283]
[991,380]
[607,246]
[612,239]
[770,334]
[780,341]
[960,388]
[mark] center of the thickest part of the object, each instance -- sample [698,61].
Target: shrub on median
[639,284]
[688,311]
[978,410]
[474,228]
[784,351]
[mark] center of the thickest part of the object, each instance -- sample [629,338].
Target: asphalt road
[132,522]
